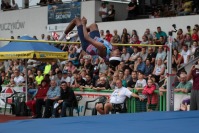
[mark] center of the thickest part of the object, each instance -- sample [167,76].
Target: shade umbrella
[31,50]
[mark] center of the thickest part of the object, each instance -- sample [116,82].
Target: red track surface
[6,118]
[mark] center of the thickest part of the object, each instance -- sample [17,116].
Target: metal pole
[26,88]
[170,88]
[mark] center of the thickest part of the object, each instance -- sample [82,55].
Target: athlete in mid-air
[91,41]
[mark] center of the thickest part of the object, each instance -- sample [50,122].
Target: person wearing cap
[91,42]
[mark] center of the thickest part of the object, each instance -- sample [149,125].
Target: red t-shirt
[108,37]
[42,91]
[195,37]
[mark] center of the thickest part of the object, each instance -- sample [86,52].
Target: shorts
[84,42]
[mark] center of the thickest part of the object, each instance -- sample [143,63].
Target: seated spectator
[47,68]
[151,56]
[143,54]
[184,86]
[11,83]
[177,59]
[148,68]
[116,37]
[102,66]
[194,35]
[180,37]
[133,57]
[161,33]
[111,13]
[18,79]
[152,97]
[70,67]
[67,99]
[144,39]
[74,56]
[102,85]
[188,40]
[160,55]
[117,97]
[88,83]
[124,38]
[194,47]
[108,36]
[3,5]
[52,95]
[186,54]
[125,56]
[39,77]
[127,75]
[159,69]
[139,65]
[102,34]
[40,95]
[78,81]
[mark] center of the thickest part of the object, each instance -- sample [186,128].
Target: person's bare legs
[99,108]
[107,107]
[73,23]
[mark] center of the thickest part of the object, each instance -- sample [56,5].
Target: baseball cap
[64,71]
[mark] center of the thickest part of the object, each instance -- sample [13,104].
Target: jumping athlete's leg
[93,28]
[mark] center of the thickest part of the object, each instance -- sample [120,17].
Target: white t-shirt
[19,79]
[185,54]
[119,95]
[103,10]
[140,83]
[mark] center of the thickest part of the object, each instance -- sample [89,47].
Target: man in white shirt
[103,12]
[18,79]
[117,97]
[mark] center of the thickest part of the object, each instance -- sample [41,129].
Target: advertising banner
[63,13]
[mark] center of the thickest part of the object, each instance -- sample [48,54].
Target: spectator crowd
[141,69]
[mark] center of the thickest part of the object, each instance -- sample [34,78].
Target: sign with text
[63,13]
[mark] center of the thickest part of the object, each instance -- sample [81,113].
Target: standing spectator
[103,12]
[152,97]
[14,5]
[132,10]
[139,86]
[133,80]
[111,13]
[108,36]
[194,74]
